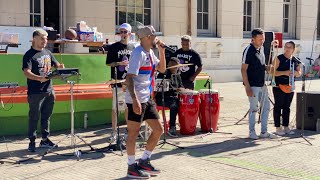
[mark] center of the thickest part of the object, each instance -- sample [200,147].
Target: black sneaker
[146,166]
[47,144]
[173,132]
[134,171]
[32,146]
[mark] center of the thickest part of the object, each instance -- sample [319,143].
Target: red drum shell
[204,114]
[188,112]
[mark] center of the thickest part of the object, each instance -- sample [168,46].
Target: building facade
[220,28]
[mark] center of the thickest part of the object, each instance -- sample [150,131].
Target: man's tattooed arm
[130,85]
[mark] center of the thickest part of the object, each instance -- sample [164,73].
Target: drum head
[206,91]
[189,92]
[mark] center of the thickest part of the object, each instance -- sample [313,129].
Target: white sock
[131,160]
[146,154]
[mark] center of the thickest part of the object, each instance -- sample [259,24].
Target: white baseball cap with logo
[125,26]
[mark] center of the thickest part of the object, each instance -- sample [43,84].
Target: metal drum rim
[189,93]
[207,90]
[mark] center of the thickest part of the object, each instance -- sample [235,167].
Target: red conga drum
[205,113]
[188,111]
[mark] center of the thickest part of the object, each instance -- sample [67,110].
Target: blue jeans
[259,93]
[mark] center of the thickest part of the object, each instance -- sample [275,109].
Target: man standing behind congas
[187,55]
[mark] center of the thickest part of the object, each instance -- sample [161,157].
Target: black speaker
[269,37]
[310,112]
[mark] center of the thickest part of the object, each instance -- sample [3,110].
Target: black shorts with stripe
[149,111]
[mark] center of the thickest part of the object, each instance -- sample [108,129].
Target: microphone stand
[164,141]
[303,99]
[119,146]
[72,134]
[210,103]
[208,82]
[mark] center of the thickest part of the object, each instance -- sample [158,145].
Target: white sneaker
[112,137]
[253,135]
[268,135]
[279,131]
[287,130]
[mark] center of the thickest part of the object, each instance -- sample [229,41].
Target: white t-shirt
[142,64]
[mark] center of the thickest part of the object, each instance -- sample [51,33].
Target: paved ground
[224,155]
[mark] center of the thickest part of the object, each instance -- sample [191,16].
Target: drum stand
[164,141]
[72,135]
[237,123]
[119,146]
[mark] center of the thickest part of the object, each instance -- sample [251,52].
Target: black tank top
[285,66]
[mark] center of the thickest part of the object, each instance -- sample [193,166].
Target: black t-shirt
[119,52]
[284,65]
[255,58]
[40,63]
[187,57]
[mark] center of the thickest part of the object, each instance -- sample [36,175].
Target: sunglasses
[123,32]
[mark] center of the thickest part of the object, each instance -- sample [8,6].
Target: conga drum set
[193,105]
[202,105]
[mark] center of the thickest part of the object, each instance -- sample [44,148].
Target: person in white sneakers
[253,74]
[283,97]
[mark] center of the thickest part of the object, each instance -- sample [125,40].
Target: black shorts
[149,111]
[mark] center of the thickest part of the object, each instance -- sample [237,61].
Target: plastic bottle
[94,29]
[85,121]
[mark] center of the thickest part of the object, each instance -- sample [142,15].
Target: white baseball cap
[125,26]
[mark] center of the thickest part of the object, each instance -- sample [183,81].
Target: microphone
[310,59]
[299,60]
[160,43]
[168,48]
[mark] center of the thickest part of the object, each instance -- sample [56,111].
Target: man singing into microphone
[140,79]
[186,55]
[253,75]
[118,59]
